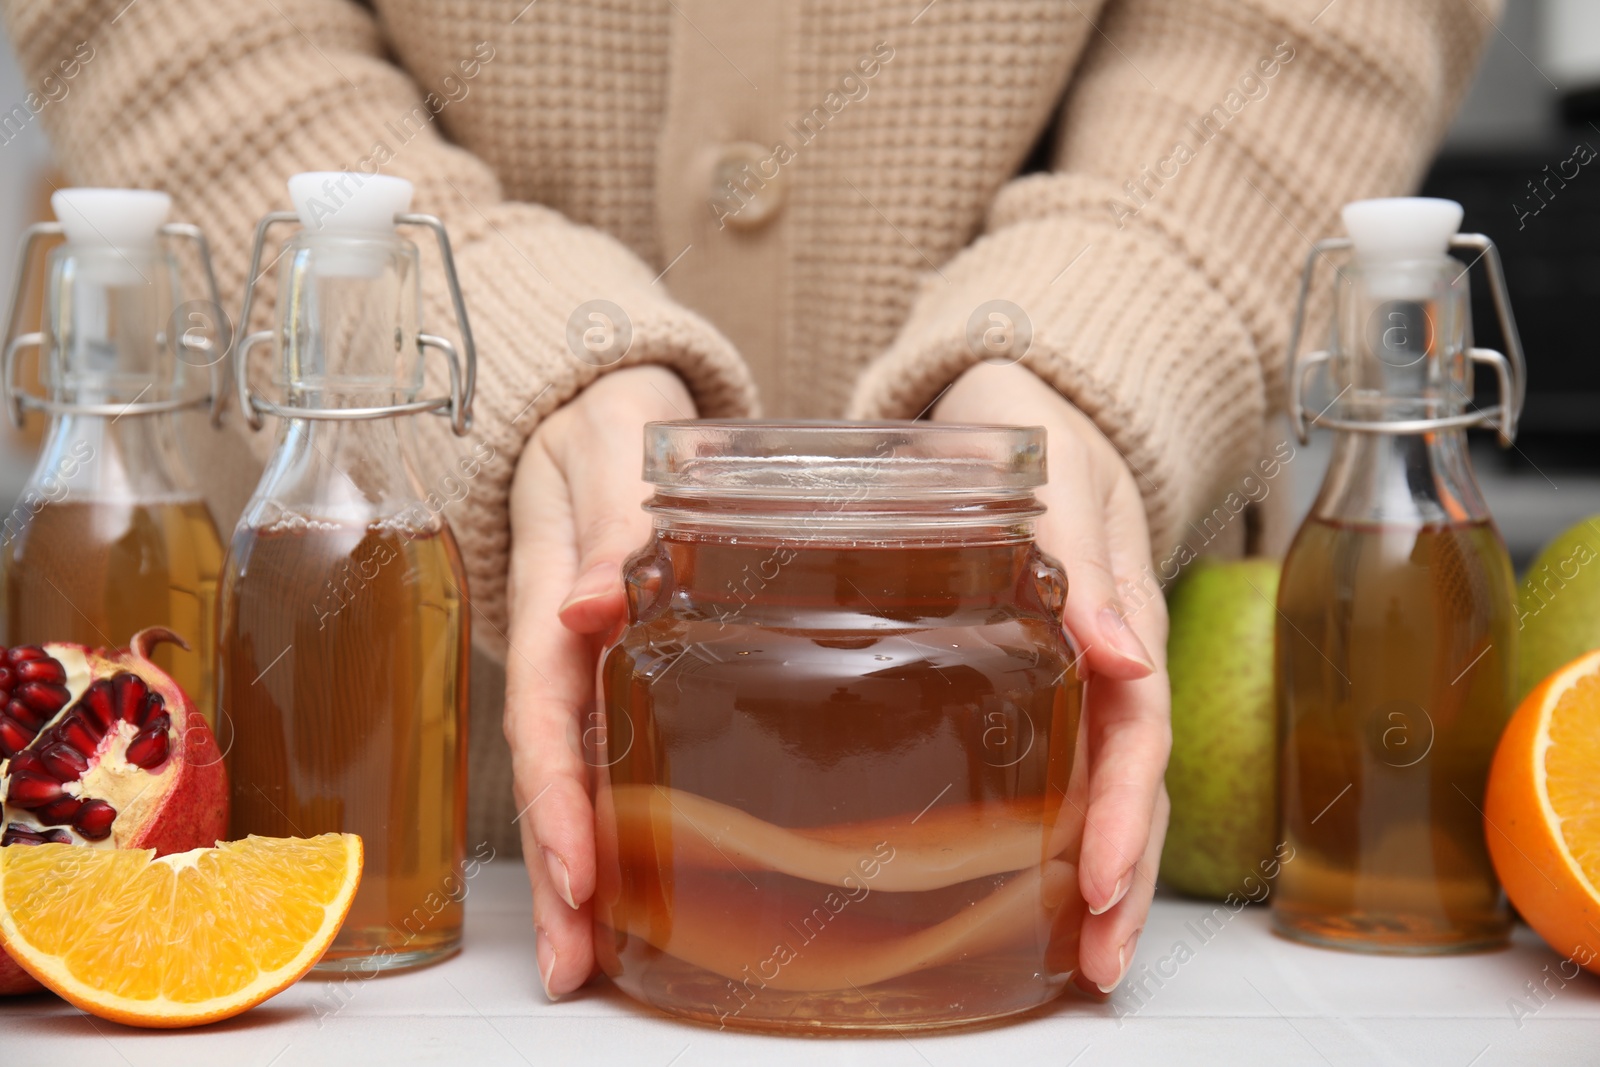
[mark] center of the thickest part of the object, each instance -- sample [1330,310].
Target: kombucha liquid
[344,677]
[1396,654]
[97,572]
[834,786]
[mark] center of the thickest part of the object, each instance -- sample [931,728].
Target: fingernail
[1116,632]
[559,876]
[1116,895]
[547,959]
[592,584]
[1124,954]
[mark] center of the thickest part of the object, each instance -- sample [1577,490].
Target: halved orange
[1542,810]
[189,938]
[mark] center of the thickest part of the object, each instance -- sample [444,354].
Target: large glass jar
[838,734]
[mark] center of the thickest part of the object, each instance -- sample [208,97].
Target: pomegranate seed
[30,686]
[27,763]
[30,789]
[32,718]
[95,819]
[18,834]
[130,692]
[41,670]
[60,812]
[76,731]
[44,698]
[52,695]
[154,705]
[149,747]
[14,736]
[63,761]
[98,705]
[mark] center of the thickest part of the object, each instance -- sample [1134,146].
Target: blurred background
[1532,116]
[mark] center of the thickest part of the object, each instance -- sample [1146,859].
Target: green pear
[1222,777]
[1558,604]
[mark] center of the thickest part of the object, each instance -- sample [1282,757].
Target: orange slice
[189,938]
[1542,810]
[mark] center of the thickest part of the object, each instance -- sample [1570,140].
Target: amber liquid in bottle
[344,680]
[835,785]
[98,571]
[1396,653]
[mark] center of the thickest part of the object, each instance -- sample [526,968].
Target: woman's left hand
[1095,527]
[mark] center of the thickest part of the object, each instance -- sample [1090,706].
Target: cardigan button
[747,185]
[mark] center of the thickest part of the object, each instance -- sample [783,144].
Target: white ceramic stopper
[1402,227]
[126,222]
[1399,242]
[345,204]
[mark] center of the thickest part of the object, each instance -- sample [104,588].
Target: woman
[816,204]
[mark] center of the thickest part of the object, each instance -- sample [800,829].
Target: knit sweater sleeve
[218,101]
[1202,145]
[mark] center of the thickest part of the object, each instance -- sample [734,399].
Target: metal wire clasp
[1511,374]
[215,353]
[463,380]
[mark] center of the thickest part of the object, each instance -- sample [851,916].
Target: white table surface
[1244,997]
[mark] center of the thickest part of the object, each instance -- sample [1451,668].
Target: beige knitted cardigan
[582,151]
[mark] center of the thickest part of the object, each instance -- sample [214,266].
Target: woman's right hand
[575,516]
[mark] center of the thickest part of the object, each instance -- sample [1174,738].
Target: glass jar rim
[809,458]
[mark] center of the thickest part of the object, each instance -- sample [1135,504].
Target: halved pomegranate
[101,748]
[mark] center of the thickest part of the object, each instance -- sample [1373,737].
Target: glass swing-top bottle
[1396,642]
[343,650]
[111,535]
